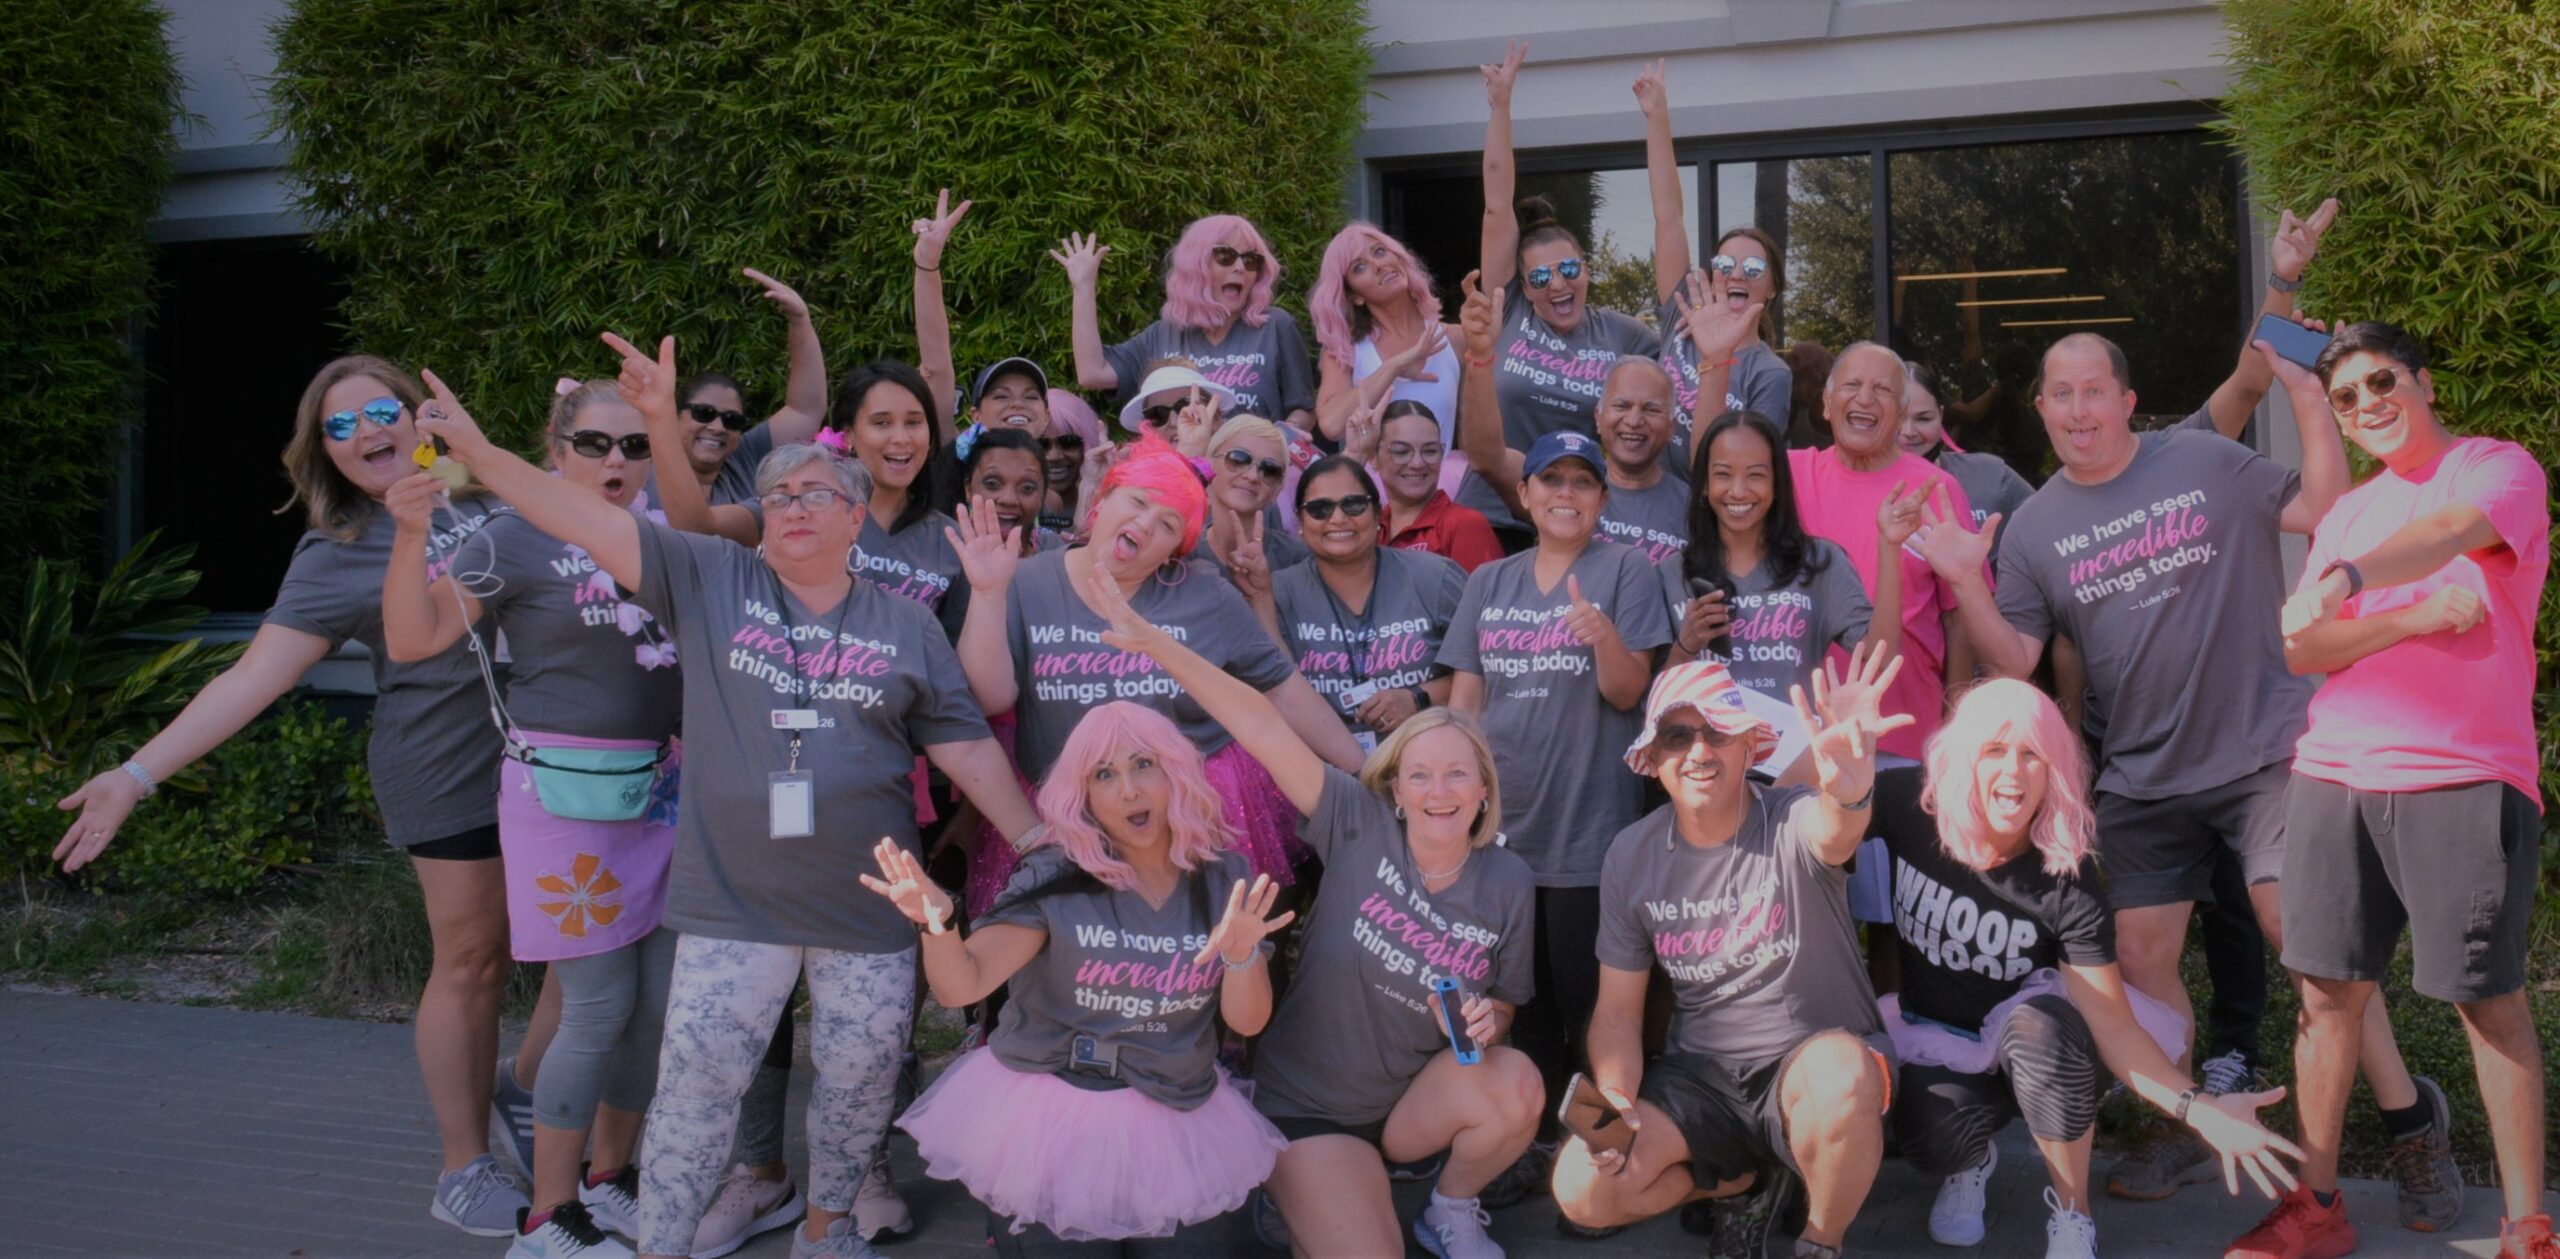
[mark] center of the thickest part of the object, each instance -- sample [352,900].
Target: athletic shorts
[1300,1127]
[2455,865]
[1729,1112]
[480,843]
[2161,852]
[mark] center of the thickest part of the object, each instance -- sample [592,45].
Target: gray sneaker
[511,1114]
[2179,1159]
[2430,1182]
[841,1243]
[482,1199]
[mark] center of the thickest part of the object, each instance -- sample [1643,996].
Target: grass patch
[353,942]
[48,937]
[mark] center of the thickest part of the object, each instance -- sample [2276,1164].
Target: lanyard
[835,639]
[1357,650]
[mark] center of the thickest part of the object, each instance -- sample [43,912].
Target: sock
[534,1220]
[595,1178]
[1453,1206]
[2408,1121]
[2326,1200]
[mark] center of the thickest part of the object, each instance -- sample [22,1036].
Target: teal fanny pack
[592,784]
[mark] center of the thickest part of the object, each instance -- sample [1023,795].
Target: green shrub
[90,671]
[86,133]
[506,180]
[2436,124]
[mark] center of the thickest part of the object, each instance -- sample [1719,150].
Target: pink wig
[1339,324]
[1190,300]
[1073,414]
[2000,710]
[1155,467]
[1195,825]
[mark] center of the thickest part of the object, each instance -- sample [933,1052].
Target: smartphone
[1588,1115]
[1453,1020]
[2293,343]
[1700,588]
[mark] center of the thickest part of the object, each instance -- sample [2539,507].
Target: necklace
[1434,876]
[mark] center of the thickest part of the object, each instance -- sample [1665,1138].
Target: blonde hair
[1379,773]
[567,404]
[1239,427]
[330,504]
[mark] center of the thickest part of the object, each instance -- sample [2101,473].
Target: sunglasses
[705,413]
[1226,257]
[1677,740]
[1272,470]
[2381,382]
[1069,442]
[382,411]
[815,500]
[1540,277]
[1354,506]
[595,445]
[1751,268]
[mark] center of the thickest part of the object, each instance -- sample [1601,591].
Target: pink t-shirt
[1837,502]
[2440,709]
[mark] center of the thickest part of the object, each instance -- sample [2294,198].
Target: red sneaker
[2528,1238]
[2299,1228]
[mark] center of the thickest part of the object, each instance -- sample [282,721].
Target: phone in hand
[1588,1115]
[2293,343]
[1700,588]
[1453,1020]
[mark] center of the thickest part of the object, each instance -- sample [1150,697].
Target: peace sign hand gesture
[1651,99]
[648,384]
[1846,717]
[1590,626]
[1360,432]
[2297,240]
[1248,566]
[1246,924]
[989,552]
[902,879]
[1082,257]
[779,293]
[933,233]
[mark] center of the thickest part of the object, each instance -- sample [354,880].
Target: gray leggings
[721,1005]
[612,1009]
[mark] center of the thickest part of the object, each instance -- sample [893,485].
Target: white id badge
[791,802]
[1367,739]
[1354,697]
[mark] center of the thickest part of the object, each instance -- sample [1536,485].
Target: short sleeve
[1632,337]
[1297,377]
[2021,600]
[1129,359]
[1623,943]
[1672,570]
[512,560]
[1643,623]
[752,448]
[1340,807]
[672,568]
[2509,487]
[2084,928]
[1846,611]
[1458,645]
[316,597]
[2201,421]
[944,711]
[953,611]
[1442,586]
[1771,393]
[1018,904]
[2261,480]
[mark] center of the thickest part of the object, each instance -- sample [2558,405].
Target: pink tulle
[1266,824]
[1086,1165]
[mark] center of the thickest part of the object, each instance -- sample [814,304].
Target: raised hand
[2297,240]
[1846,717]
[1651,99]
[934,233]
[989,552]
[1898,516]
[1477,317]
[1246,923]
[648,384]
[1590,626]
[1717,330]
[2229,1123]
[1248,566]
[2296,379]
[1360,431]
[779,293]
[902,880]
[1195,423]
[443,417]
[1952,549]
[1082,257]
[413,500]
[1499,79]
[1124,628]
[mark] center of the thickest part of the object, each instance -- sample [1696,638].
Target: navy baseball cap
[1015,366]
[1560,445]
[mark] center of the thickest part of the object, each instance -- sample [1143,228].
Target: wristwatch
[1421,697]
[2283,285]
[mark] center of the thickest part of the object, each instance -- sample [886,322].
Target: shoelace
[477,1182]
[1451,1224]
[2413,1164]
[2061,1219]
[2227,1073]
[2295,1215]
[572,1218]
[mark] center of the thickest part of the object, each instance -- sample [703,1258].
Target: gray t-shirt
[1266,367]
[1063,668]
[1759,382]
[1547,381]
[1780,635]
[1653,520]
[1116,969]
[1391,642]
[1356,1025]
[1754,934]
[433,752]
[2168,577]
[884,684]
[1281,551]
[1557,745]
[1989,483]
[736,480]
[584,661]
[917,563]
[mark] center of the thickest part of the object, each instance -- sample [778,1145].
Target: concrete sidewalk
[152,1130]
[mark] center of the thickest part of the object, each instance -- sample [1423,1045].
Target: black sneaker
[1523,1180]
[2422,1167]
[569,1234]
[1425,1169]
[1585,1232]
[1738,1226]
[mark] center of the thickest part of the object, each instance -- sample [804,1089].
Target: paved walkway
[152,1130]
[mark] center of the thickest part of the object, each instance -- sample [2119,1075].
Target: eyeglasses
[815,500]
[2381,382]
[382,411]
[1398,452]
[1227,257]
[1070,442]
[1540,277]
[1354,506]
[1272,469]
[1751,268]
[1677,740]
[595,445]
[705,413]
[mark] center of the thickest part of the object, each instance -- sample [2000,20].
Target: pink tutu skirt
[1087,1165]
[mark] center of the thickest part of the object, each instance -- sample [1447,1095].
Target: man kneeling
[1775,1068]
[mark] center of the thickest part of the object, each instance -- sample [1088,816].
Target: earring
[1399,812]
[1483,807]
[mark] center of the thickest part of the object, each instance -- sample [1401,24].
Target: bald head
[1862,402]
[1871,355]
[2091,343]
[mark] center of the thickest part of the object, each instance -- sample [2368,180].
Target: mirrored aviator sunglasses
[1751,268]
[1570,269]
[382,411]
[2381,382]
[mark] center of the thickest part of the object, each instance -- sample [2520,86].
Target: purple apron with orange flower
[578,888]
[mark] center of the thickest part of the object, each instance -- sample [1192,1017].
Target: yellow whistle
[425,455]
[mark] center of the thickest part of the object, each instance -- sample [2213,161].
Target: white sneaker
[568,1234]
[2069,1234]
[1955,1219]
[744,1207]
[878,1211]
[615,1204]
[1455,1229]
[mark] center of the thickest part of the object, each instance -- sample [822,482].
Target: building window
[1437,214]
